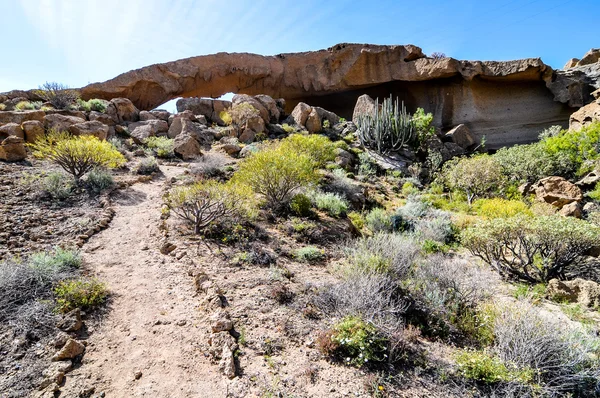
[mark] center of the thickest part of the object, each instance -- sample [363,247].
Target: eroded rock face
[585,116]
[557,191]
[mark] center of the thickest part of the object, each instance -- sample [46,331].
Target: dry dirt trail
[147,343]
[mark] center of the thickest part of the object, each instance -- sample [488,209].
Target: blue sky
[76,42]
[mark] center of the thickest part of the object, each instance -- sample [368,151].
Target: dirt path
[153,325]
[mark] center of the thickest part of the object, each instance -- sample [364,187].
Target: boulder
[32,129]
[103,118]
[60,122]
[95,128]
[324,114]
[365,105]
[210,108]
[202,134]
[239,99]
[313,122]
[231,149]
[585,116]
[161,114]
[591,57]
[300,113]
[584,292]
[145,115]
[461,136]
[186,147]
[175,122]
[12,149]
[557,191]
[123,110]
[71,349]
[573,209]
[71,322]
[248,150]
[67,112]
[571,63]
[20,117]
[220,322]
[11,129]
[271,105]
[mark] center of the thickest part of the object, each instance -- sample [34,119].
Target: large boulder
[584,292]
[176,122]
[271,105]
[461,136]
[239,99]
[123,110]
[324,115]
[365,105]
[94,128]
[186,147]
[60,122]
[12,129]
[300,113]
[33,129]
[209,108]
[12,149]
[557,191]
[20,117]
[585,116]
[591,57]
[201,133]
[313,122]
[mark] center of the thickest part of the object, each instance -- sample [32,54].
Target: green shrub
[595,194]
[83,105]
[97,105]
[2,107]
[28,105]
[331,203]
[79,293]
[408,188]
[300,205]
[288,129]
[529,163]
[378,220]
[357,342]
[58,185]
[147,166]
[77,155]
[481,366]
[532,249]
[99,180]
[309,254]
[163,147]
[367,167]
[207,202]
[317,147]
[476,176]
[59,259]
[276,173]
[525,291]
[59,95]
[357,220]
[500,208]
[580,147]
[433,246]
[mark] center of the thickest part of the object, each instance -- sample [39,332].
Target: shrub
[595,194]
[210,165]
[79,293]
[288,129]
[276,174]
[532,249]
[204,203]
[240,113]
[331,203]
[408,189]
[367,167]
[580,147]
[357,220]
[300,205]
[77,155]
[529,163]
[481,366]
[378,220]
[340,183]
[500,208]
[318,148]
[309,254]
[422,122]
[381,253]
[28,105]
[59,95]
[475,176]
[60,259]
[2,107]
[97,105]
[147,165]
[357,342]
[163,147]
[58,185]
[563,359]
[418,217]
[438,55]
[99,180]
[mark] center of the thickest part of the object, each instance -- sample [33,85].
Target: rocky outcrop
[508,102]
[584,292]
[557,191]
[12,148]
[585,116]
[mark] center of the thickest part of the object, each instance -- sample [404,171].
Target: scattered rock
[12,149]
[579,290]
[461,136]
[11,129]
[590,180]
[300,113]
[557,191]
[571,210]
[137,375]
[365,105]
[122,110]
[71,322]
[186,147]
[220,322]
[167,248]
[313,122]
[32,129]
[70,350]
[95,128]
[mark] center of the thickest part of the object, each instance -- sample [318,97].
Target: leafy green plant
[58,259]
[28,105]
[300,205]
[309,254]
[532,249]
[77,155]
[58,185]
[99,180]
[529,163]
[500,208]
[357,220]
[481,366]
[595,193]
[366,166]
[163,147]
[355,342]
[476,176]
[331,203]
[79,293]
[581,147]
[317,147]
[378,220]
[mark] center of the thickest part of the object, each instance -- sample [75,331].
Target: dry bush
[281,293]
[59,95]
[210,165]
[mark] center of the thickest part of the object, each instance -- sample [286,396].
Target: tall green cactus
[388,129]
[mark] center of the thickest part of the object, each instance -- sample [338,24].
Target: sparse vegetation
[59,95]
[331,203]
[309,254]
[147,165]
[99,180]
[477,176]
[58,185]
[79,293]
[162,147]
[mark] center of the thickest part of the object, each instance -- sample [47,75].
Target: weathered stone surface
[20,117]
[103,118]
[220,322]
[557,191]
[256,104]
[60,122]
[70,350]
[313,122]
[175,122]
[365,105]
[122,110]
[461,136]
[585,116]
[145,115]
[579,290]
[201,133]
[33,129]
[589,180]
[210,108]
[12,149]
[591,57]
[300,113]
[571,63]
[572,209]
[186,147]
[95,128]
[71,322]
[67,112]
[11,129]
[271,105]
[161,114]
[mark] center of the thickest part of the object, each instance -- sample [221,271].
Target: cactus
[389,129]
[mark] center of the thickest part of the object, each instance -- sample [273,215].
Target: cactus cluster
[388,129]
